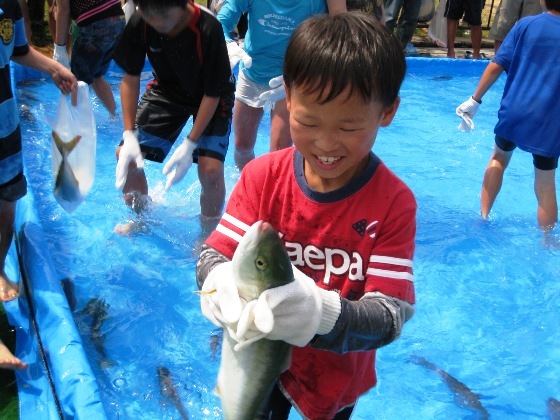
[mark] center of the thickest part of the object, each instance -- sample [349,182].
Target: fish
[553,408]
[169,391]
[463,395]
[246,376]
[441,78]
[97,309]
[66,186]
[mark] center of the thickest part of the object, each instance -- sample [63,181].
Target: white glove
[467,111]
[220,301]
[61,55]
[128,10]
[294,313]
[130,151]
[236,54]
[276,93]
[181,160]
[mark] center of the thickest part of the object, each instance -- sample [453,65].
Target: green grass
[9,409]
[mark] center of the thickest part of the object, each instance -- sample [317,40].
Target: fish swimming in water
[97,309]
[553,408]
[463,395]
[66,186]
[246,376]
[169,391]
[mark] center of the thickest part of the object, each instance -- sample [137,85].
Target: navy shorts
[540,162]
[92,51]
[471,9]
[161,118]
[13,185]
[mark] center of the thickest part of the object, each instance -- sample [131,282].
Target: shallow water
[488,295]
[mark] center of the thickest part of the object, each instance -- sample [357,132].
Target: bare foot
[8,289]
[8,360]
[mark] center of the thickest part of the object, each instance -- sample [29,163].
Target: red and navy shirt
[354,240]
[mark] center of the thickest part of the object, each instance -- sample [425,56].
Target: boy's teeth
[328,160]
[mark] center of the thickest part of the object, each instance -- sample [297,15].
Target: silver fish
[463,395]
[66,187]
[246,376]
[169,391]
[553,408]
[97,308]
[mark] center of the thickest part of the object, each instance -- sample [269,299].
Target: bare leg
[8,289]
[280,137]
[8,360]
[476,40]
[105,94]
[212,197]
[452,25]
[545,190]
[246,120]
[493,179]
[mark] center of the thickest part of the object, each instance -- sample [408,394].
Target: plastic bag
[437,31]
[427,11]
[73,146]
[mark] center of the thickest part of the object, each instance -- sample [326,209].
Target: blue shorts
[92,50]
[540,162]
[160,120]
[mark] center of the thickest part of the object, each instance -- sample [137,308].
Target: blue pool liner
[59,382]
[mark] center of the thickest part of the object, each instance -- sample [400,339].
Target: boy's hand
[236,54]
[130,151]
[293,313]
[65,80]
[61,55]
[220,301]
[181,160]
[276,92]
[467,111]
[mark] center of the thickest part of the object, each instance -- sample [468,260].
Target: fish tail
[61,145]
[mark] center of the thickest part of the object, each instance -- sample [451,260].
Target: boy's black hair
[326,54]
[552,5]
[154,5]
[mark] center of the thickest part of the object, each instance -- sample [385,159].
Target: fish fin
[61,145]
[201,293]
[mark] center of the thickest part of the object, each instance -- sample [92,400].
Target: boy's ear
[389,113]
[288,99]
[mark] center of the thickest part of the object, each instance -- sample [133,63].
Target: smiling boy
[347,221]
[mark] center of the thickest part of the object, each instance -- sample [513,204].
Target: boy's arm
[130,92]
[369,323]
[336,6]
[62,77]
[207,260]
[62,21]
[490,75]
[205,113]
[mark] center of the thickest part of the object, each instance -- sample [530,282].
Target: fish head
[260,261]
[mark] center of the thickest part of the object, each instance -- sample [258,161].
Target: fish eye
[260,263]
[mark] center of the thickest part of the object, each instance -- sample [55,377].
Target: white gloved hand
[276,92]
[181,160]
[467,111]
[220,301]
[236,54]
[130,151]
[61,55]
[294,313]
[128,10]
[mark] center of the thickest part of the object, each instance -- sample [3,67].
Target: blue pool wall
[75,385]
[75,394]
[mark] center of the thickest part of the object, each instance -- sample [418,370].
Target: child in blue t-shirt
[530,55]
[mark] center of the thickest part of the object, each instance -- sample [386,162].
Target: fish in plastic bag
[74,139]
